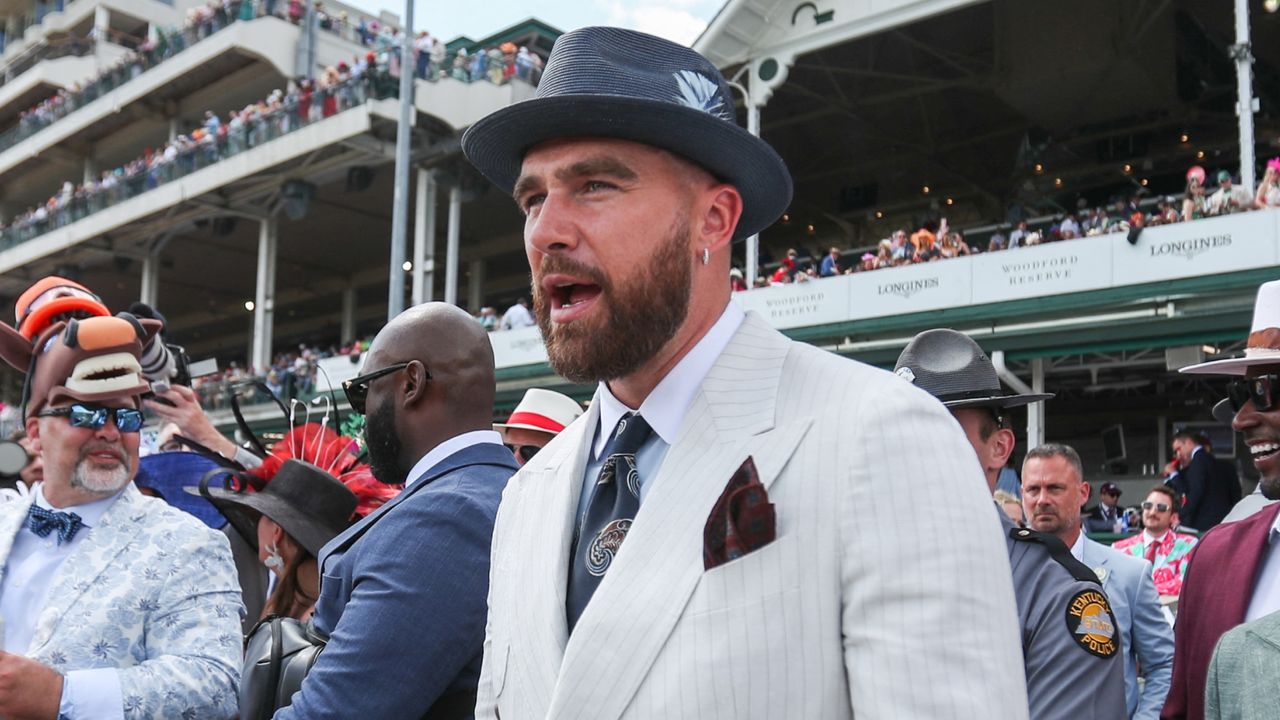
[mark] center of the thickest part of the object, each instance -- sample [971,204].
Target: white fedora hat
[542,410]
[1263,347]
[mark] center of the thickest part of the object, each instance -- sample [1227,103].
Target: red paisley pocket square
[742,520]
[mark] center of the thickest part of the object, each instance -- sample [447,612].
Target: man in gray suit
[1053,489]
[1241,683]
[1066,678]
[718,535]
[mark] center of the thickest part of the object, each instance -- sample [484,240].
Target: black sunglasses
[524,452]
[128,420]
[1160,507]
[1258,389]
[357,388]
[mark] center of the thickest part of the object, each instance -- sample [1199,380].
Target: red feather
[337,455]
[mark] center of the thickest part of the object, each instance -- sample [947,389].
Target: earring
[273,560]
[706,255]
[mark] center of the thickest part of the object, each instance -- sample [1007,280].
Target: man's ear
[415,383]
[720,210]
[33,432]
[1001,447]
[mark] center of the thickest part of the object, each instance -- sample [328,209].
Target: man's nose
[551,228]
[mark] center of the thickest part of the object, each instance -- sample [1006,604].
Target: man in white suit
[115,605]
[753,563]
[1053,491]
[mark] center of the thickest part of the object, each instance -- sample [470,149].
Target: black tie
[612,507]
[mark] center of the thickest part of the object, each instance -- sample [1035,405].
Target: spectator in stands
[952,245]
[1053,489]
[830,263]
[1269,189]
[736,281]
[926,247]
[517,316]
[1018,235]
[1068,228]
[903,250]
[1193,200]
[1159,543]
[1107,516]
[539,417]
[998,240]
[884,254]
[488,318]
[1228,198]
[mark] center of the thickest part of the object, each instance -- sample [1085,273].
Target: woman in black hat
[289,520]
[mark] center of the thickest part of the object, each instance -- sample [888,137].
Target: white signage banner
[911,288]
[816,302]
[1214,245]
[337,369]
[1053,269]
[512,348]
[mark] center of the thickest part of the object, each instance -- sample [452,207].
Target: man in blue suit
[1146,639]
[402,594]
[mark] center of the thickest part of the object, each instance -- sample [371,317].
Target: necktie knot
[43,521]
[633,430]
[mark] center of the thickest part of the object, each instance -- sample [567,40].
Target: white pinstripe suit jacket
[887,592]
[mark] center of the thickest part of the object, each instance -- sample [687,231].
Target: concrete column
[264,297]
[348,315]
[1242,54]
[1162,443]
[475,286]
[90,169]
[150,279]
[174,130]
[451,247]
[101,22]
[424,239]
[753,242]
[1035,411]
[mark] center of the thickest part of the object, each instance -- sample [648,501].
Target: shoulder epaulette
[1058,550]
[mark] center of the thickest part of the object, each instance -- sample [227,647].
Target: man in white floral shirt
[114,605]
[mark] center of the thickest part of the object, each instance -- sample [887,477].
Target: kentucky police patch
[1092,624]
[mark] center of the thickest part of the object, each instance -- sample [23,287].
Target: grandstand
[891,115]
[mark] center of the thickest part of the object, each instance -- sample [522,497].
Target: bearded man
[720,534]
[402,592]
[115,605]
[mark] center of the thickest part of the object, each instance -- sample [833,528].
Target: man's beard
[641,313]
[1270,487]
[99,480]
[383,444]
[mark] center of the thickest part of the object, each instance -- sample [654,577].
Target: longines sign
[1053,269]
[914,288]
[1212,245]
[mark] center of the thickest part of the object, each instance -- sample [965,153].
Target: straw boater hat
[542,410]
[615,83]
[1263,347]
[950,366]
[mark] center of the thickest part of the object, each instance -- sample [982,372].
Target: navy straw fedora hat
[954,369]
[615,83]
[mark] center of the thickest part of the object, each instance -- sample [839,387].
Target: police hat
[951,367]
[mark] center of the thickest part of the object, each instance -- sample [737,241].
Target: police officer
[1073,662]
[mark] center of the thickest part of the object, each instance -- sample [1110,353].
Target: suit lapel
[643,596]
[10,523]
[543,523]
[113,535]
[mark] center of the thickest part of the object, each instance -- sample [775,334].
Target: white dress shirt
[1266,592]
[32,566]
[454,444]
[664,409]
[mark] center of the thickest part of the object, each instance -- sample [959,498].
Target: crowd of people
[218,137]
[730,502]
[935,241]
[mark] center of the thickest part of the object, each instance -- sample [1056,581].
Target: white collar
[1077,548]
[1148,538]
[90,513]
[1275,530]
[449,447]
[665,407]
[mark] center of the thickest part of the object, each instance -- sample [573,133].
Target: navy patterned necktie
[42,522]
[615,500]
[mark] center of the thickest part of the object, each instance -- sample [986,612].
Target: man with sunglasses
[402,594]
[540,416]
[1159,544]
[1233,576]
[1046,578]
[115,605]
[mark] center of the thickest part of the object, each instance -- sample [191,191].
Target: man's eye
[530,201]
[595,185]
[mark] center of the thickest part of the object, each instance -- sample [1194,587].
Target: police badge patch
[1092,624]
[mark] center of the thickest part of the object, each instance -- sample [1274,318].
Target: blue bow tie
[42,522]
